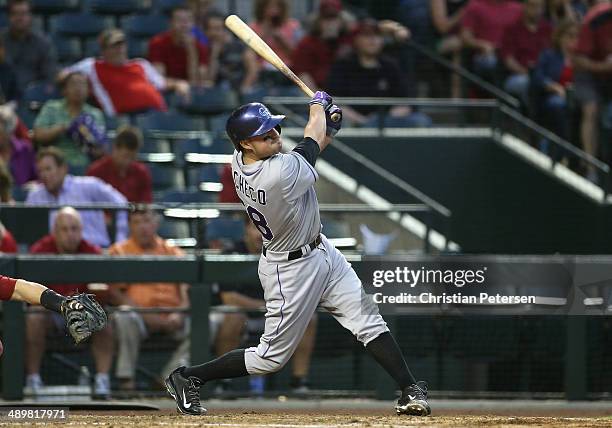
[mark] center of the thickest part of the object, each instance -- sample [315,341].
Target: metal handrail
[394,101]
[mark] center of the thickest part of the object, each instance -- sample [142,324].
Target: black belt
[293,255]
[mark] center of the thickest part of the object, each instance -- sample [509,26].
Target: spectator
[59,188]
[368,73]
[521,45]
[177,53]
[229,64]
[200,10]
[16,152]
[66,238]
[132,327]
[593,82]
[483,25]
[281,32]
[57,117]
[446,16]
[7,241]
[31,54]
[121,170]
[553,76]
[329,38]
[121,85]
[9,91]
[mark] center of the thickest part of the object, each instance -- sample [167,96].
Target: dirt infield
[311,420]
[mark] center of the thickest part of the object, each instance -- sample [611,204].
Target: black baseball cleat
[414,400]
[186,392]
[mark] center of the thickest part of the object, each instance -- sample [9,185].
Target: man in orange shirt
[132,327]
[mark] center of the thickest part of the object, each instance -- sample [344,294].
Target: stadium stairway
[504,195]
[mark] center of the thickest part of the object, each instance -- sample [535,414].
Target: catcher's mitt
[83,315]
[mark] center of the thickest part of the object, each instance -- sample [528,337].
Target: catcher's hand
[83,315]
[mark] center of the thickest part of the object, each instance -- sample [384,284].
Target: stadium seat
[49,7]
[68,49]
[138,47]
[224,228]
[155,145]
[174,229]
[118,7]
[79,24]
[166,6]
[202,145]
[166,177]
[168,121]
[210,101]
[37,93]
[91,47]
[144,26]
[185,197]
[203,174]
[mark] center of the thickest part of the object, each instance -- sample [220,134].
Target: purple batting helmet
[251,120]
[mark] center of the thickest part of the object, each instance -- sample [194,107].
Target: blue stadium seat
[37,93]
[168,121]
[203,145]
[166,177]
[154,145]
[79,24]
[211,101]
[224,228]
[174,229]
[118,7]
[91,47]
[185,197]
[206,173]
[145,26]
[138,47]
[166,6]
[68,49]
[48,7]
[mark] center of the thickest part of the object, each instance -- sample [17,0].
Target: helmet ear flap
[278,129]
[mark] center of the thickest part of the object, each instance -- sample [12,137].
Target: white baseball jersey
[280,199]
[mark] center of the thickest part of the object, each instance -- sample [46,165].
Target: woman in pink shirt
[280,32]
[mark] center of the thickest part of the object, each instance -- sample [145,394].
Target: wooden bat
[252,40]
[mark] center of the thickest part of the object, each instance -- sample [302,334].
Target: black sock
[385,351]
[225,367]
[51,300]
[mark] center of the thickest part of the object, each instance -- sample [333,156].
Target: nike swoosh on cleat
[412,397]
[185,404]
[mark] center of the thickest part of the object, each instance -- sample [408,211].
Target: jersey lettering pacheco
[279,198]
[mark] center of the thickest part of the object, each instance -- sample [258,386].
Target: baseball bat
[252,40]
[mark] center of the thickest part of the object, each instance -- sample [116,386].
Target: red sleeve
[21,131]
[7,287]
[228,193]
[586,43]
[203,53]
[8,245]
[300,57]
[88,248]
[155,50]
[469,19]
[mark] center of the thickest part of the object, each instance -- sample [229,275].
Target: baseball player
[82,313]
[299,268]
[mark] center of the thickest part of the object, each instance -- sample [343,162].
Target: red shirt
[136,185]
[8,243]
[46,245]
[595,40]
[525,45]
[488,19]
[228,193]
[315,56]
[125,88]
[162,49]
[7,287]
